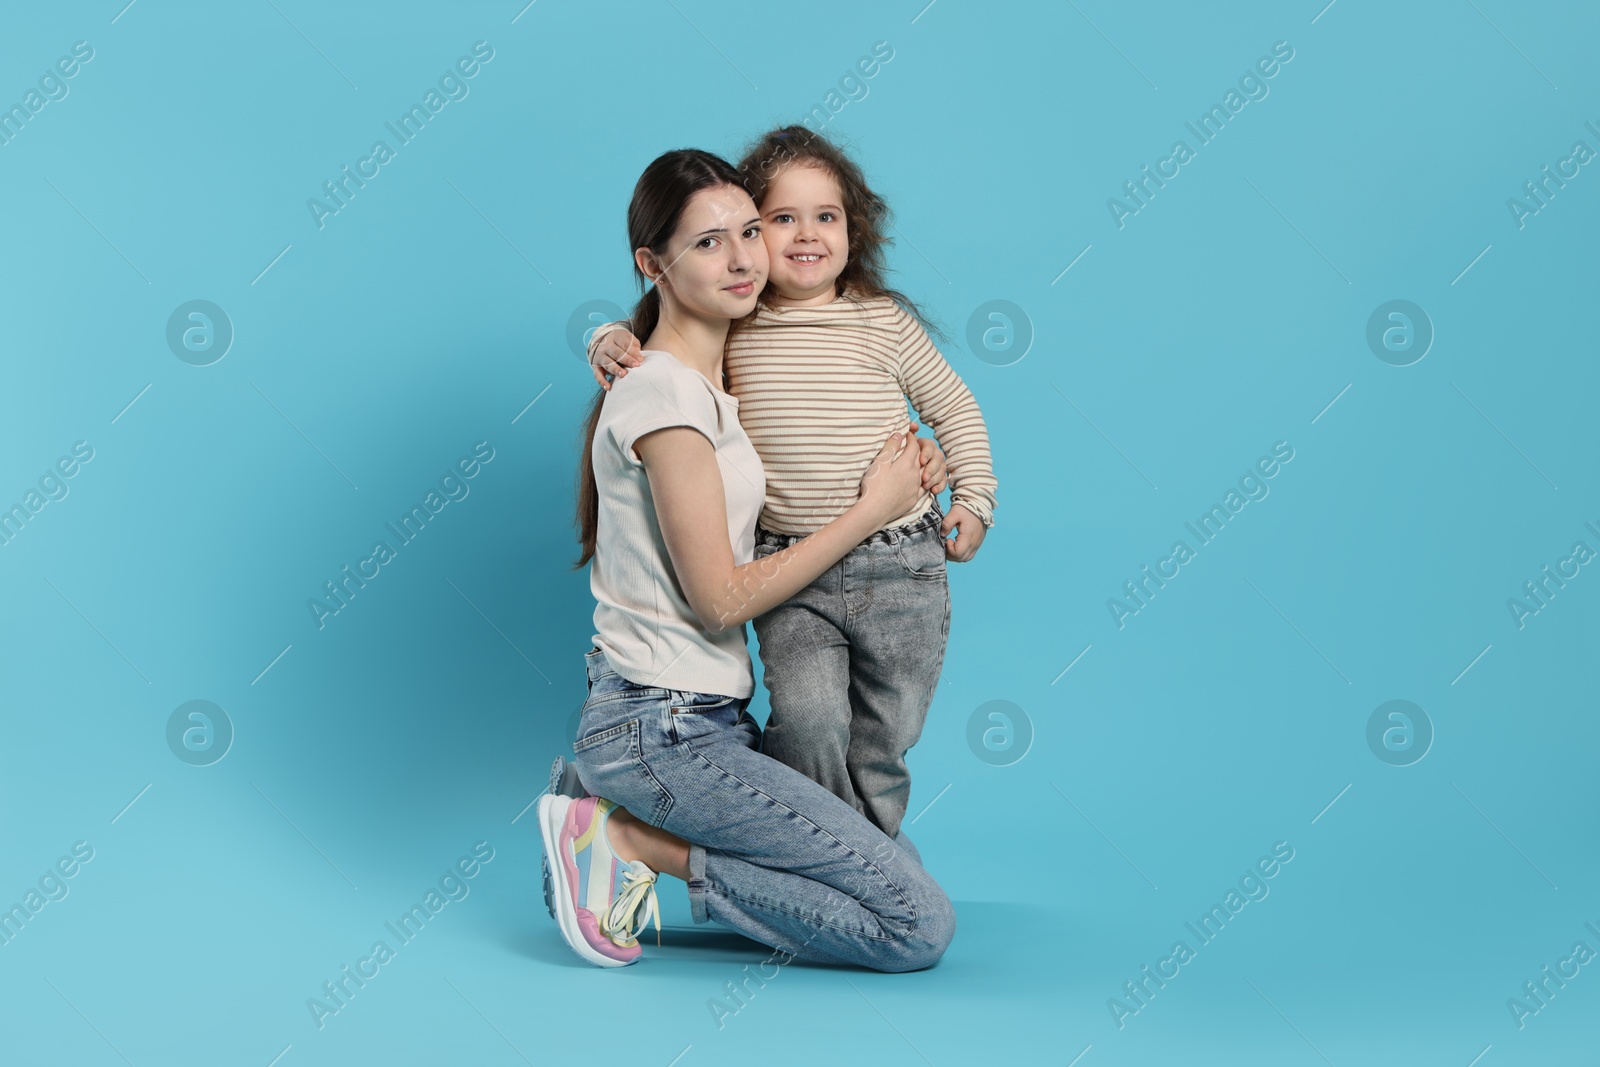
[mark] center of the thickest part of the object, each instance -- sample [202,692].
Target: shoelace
[622,922]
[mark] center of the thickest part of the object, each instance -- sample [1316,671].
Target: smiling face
[807,234]
[715,263]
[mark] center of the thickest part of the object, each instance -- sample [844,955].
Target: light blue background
[1229,714]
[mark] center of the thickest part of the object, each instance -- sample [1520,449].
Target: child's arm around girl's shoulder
[612,350]
[943,401]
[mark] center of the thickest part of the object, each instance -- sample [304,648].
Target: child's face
[807,235]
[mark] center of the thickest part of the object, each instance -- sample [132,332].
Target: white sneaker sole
[552,814]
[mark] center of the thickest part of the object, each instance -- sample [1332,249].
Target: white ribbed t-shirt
[643,621]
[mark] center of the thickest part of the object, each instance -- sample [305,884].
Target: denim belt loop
[930,520]
[595,664]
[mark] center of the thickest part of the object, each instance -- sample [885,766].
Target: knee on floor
[923,940]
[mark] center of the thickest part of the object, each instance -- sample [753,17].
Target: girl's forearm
[761,585]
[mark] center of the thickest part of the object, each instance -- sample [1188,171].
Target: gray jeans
[851,662]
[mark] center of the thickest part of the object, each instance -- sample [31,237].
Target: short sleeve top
[642,619]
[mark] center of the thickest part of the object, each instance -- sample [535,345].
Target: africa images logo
[452,87]
[453,487]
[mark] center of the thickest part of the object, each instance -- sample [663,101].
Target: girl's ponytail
[646,314]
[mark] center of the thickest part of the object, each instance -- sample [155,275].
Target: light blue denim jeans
[772,854]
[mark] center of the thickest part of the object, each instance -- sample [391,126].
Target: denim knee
[923,940]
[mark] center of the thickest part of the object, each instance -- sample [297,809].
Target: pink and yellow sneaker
[564,782]
[601,900]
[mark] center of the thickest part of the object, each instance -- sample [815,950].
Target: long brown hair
[866,213]
[659,198]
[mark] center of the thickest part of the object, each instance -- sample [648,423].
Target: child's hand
[969,537]
[616,351]
[933,470]
[932,459]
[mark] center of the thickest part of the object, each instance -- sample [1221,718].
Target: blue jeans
[852,661]
[771,853]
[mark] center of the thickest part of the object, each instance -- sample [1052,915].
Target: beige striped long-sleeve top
[821,388]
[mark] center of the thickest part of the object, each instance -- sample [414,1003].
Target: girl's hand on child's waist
[617,351]
[892,484]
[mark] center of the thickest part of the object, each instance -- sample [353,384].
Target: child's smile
[807,235]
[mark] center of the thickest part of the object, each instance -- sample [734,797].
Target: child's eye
[783,218]
[827,216]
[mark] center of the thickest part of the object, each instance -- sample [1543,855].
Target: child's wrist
[595,338]
[978,512]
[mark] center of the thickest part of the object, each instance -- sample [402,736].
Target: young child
[822,372]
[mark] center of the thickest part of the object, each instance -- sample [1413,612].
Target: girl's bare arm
[686,483]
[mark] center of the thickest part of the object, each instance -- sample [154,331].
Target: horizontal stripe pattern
[821,388]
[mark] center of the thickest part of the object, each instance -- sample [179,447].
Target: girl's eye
[826,216]
[783,218]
